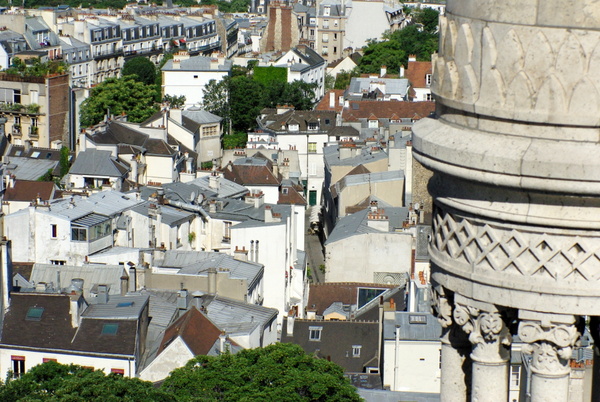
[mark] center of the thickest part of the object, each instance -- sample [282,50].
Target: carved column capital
[550,344]
[487,332]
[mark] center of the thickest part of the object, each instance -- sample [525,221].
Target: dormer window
[293,127]
[313,126]
[326,11]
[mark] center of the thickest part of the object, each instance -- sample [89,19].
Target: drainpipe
[397,345]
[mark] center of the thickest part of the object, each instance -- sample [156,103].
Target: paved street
[314,251]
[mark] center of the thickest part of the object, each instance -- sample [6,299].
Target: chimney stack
[124,285]
[212,281]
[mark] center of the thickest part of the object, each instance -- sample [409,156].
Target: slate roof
[198,263]
[197,331]
[393,86]
[337,341]
[292,197]
[28,190]
[227,188]
[411,329]
[279,122]
[90,338]
[236,317]
[170,216]
[194,116]
[94,162]
[357,224]
[92,274]
[198,63]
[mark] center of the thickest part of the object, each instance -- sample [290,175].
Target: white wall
[372,252]
[418,366]
[174,356]
[33,358]
[183,83]
[356,35]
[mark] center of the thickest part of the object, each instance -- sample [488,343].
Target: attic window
[125,304]
[110,329]
[284,190]
[49,155]
[35,154]
[34,314]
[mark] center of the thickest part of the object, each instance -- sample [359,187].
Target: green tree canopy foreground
[395,49]
[141,68]
[120,95]
[279,372]
[56,382]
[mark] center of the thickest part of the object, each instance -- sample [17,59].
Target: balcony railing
[8,107]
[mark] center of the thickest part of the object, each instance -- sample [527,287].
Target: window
[312,147]
[326,11]
[312,169]
[326,24]
[34,97]
[335,36]
[314,334]
[110,329]
[429,97]
[428,79]
[17,96]
[373,123]
[356,350]
[325,50]
[78,234]
[226,232]
[34,314]
[58,262]
[18,365]
[125,304]
[117,371]
[325,38]
[417,319]
[53,231]
[515,376]
[284,191]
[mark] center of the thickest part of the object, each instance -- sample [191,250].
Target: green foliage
[53,382]
[428,17]
[36,68]
[235,140]
[234,6]
[64,161]
[342,80]
[46,176]
[191,237]
[120,95]
[280,372]
[266,75]
[329,82]
[141,68]
[174,100]
[394,51]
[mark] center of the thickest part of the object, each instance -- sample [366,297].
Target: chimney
[401,71]
[102,294]
[331,100]
[290,325]
[176,64]
[132,279]
[75,306]
[257,199]
[134,169]
[392,141]
[412,57]
[256,252]
[378,221]
[213,180]
[240,254]
[214,64]
[383,71]
[222,340]
[212,281]
[175,114]
[182,299]
[251,250]
[124,285]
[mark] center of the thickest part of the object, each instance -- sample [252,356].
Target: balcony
[34,132]
[17,108]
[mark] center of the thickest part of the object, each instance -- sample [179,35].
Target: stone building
[515,244]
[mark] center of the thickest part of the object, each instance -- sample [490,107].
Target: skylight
[110,329]
[34,313]
[125,304]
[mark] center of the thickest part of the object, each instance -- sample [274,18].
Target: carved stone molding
[487,332]
[550,344]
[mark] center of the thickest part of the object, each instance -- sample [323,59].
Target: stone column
[550,339]
[491,350]
[456,364]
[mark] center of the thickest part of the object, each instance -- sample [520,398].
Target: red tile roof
[417,72]
[324,103]
[28,190]
[250,175]
[322,295]
[387,110]
[197,331]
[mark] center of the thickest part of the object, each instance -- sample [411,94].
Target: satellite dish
[193,196]
[417,205]
[199,199]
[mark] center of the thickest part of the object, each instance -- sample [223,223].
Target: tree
[394,51]
[342,80]
[428,17]
[174,100]
[279,372]
[216,100]
[141,68]
[64,161]
[119,95]
[54,381]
